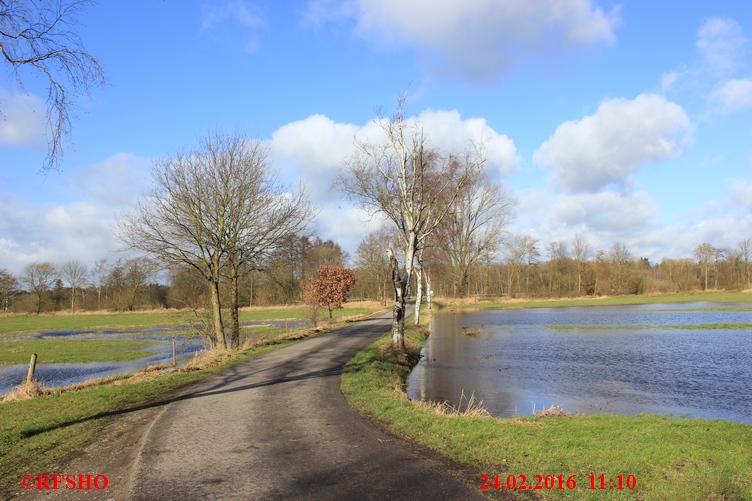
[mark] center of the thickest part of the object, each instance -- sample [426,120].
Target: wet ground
[57,375]
[621,360]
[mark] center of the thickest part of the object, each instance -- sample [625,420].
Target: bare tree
[521,250]
[369,258]
[558,256]
[99,278]
[681,273]
[216,209]
[39,279]
[474,228]
[127,278]
[41,37]
[410,183]
[621,265]
[74,273]
[581,253]
[706,256]
[8,287]
[745,257]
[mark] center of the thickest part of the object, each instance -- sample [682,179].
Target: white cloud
[54,233]
[22,120]
[741,194]
[669,79]
[722,44]
[245,14]
[81,228]
[116,182]
[315,148]
[479,39]
[614,143]
[447,130]
[633,219]
[606,210]
[733,95]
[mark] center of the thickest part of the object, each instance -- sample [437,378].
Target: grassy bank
[497,304]
[44,430]
[669,458]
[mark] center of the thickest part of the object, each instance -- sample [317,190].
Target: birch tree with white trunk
[411,182]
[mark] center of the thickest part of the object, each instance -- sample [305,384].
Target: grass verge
[45,430]
[496,304]
[670,458]
[685,327]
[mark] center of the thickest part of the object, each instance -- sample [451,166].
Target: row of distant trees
[142,283]
[219,223]
[523,267]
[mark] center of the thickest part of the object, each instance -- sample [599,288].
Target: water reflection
[517,362]
[57,375]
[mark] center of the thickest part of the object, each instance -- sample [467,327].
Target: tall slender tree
[74,273]
[474,228]
[8,288]
[412,184]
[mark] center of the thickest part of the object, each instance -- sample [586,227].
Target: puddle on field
[57,375]
[612,359]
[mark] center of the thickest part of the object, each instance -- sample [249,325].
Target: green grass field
[670,458]
[161,318]
[44,430]
[39,432]
[73,350]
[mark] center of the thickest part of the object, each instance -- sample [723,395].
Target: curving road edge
[278,427]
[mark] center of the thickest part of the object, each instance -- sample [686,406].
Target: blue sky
[622,121]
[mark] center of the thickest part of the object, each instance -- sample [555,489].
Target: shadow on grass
[315,363]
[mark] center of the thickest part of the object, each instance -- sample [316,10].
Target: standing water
[661,359]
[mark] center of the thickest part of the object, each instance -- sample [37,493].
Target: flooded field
[692,359]
[58,374]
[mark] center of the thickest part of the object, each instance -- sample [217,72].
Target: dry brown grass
[407,356]
[355,304]
[472,331]
[26,391]
[555,411]
[471,407]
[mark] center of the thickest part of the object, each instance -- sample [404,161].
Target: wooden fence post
[32,368]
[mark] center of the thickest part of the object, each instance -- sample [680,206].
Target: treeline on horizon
[524,268]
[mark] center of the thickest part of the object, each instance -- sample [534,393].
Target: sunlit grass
[41,431]
[686,459]
[161,318]
[73,350]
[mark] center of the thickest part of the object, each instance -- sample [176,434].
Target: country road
[277,427]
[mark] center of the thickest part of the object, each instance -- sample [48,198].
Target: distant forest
[521,267]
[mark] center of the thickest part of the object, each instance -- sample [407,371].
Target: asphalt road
[277,427]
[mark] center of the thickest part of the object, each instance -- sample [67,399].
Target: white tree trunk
[419,292]
[429,291]
[400,286]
